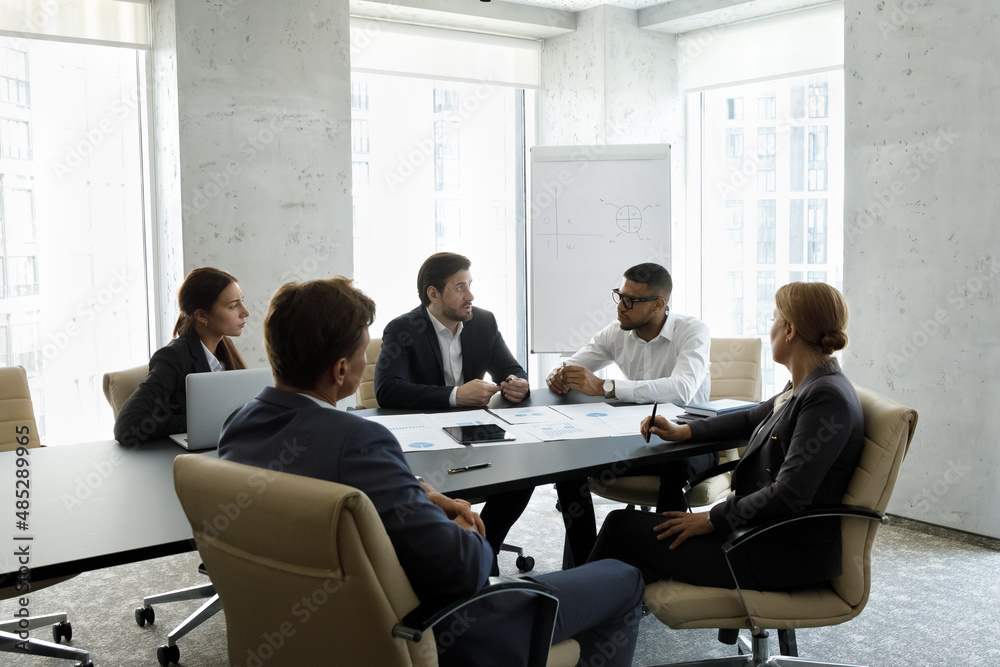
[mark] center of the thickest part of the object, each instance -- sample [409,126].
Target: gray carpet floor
[935,601]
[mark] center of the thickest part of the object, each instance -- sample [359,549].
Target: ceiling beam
[495,18]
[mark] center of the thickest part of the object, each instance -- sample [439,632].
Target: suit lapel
[430,334]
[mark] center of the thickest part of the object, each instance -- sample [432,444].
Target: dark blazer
[409,373]
[802,457]
[292,433]
[158,407]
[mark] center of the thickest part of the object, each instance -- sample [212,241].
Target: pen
[477,466]
[651,419]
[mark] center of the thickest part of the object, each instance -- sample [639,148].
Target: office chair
[118,387]
[364,398]
[735,370]
[889,429]
[18,429]
[308,539]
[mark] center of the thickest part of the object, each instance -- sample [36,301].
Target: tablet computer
[468,435]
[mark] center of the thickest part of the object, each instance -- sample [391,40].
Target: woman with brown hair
[804,445]
[211,311]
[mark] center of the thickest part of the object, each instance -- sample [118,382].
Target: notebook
[212,397]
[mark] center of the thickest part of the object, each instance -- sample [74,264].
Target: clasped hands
[477,393]
[564,378]
[458,510]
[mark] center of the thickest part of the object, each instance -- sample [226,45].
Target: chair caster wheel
[89,664]
[168,654]
[525,563]
[144,615]
[62,631]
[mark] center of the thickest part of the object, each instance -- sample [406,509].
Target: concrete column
[253,146]
[922,200]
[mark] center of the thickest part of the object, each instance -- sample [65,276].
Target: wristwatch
[609,386]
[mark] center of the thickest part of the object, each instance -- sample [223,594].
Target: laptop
[212,397]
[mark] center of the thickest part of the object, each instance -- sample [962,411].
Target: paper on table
[416,433]
[462,418]
[527,415]
[567,430]
[519,433]
[585,410]
[625,419]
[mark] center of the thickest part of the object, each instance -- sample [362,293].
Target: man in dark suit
[316,334]
[436,357]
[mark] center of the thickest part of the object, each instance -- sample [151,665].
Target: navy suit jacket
[288,432]
[804,456]
[158,407]
[409,373]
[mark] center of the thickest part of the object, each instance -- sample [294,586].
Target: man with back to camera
[316,334]
[665,357]
[436,356]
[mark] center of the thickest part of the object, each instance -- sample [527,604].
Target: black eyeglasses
[629,300]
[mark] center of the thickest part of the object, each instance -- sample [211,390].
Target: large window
[789,188]
[444,172]
[73,294]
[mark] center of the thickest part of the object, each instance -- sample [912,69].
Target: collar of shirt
[322,404]
[213,363]
[666,332]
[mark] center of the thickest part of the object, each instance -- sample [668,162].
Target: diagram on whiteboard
[629,218]
[561,233]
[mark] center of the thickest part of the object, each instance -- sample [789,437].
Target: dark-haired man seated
[436,356]
[316,334]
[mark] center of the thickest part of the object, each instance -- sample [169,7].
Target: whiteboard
[595,211]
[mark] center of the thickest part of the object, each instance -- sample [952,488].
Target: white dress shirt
[671,368]
[451,355]
[213,363]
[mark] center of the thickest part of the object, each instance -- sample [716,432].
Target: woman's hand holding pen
[665,429]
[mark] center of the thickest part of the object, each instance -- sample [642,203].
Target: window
[422,203]
[445,100]
[734,230]
[734,147]
[817,231]
[766,222]
[767,107]
[359,95]
[359,135]
[734,108]
[767,148]
[73,291]
[817,158]
[360,174]
[14,76]
[446,155]
[15,139]
[796,231]
[819,98]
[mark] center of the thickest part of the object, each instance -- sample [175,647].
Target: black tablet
[468,435]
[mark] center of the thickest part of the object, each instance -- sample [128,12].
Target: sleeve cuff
[625,391]
[453,397]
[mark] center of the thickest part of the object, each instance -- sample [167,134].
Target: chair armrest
[711,472]
[428,615]
[738,537]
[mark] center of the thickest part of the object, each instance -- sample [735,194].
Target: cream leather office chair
[889,429]
[735,370]
[18,429]
[118,388]
[120,385]
[364,397]
[303,538]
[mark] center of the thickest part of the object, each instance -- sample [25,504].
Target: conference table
[100,504]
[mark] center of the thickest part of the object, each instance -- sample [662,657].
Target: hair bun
[833,341]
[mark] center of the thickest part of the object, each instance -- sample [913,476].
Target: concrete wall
[921,209]
[253,145]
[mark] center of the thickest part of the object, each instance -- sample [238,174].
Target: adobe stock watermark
[899,14]
[932,494]
[86,312]
[77,153]
[931,327]
[423,149]
[913,169]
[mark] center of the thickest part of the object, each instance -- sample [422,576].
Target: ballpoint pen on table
[476,466]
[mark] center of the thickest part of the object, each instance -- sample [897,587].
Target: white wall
[921,207]
[253,143]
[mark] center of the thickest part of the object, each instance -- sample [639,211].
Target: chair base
[759,656]
[11,642]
